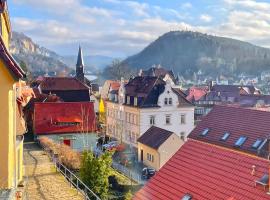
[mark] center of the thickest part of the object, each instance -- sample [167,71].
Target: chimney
[253,170]
[140,72]
[210,86]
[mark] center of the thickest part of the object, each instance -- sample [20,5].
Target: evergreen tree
[95,172]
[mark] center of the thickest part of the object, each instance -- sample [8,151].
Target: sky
[119,28]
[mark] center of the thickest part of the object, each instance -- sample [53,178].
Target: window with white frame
[168,119]
[183,119]
[152,120]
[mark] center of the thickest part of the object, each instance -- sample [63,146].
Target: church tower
[80,66]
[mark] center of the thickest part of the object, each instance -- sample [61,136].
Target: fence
[72,178]
[129,173]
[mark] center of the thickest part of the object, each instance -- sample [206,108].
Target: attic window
[225,136]
[205,132]
[240,141]
[187,197]
[264,181]
[256,144]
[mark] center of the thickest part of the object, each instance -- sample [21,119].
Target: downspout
[14,134]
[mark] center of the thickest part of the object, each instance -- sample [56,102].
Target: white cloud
[186,5]
[125,27]
[206,18]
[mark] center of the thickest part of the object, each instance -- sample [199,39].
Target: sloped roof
[9,61]
[47,114]
[253,124]
[62,83]
[207,172]
[154,137]
[195,93]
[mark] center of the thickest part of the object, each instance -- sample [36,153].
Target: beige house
[156,146]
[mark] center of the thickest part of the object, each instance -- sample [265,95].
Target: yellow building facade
[11,138]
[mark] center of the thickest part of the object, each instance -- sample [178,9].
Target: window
[182,136]
[135,101]
[150,157]
[187,197]
[240,141]
[128,100]
[152,120]
[204,132]
[183,119]
[168,119]
[225,136]
[166,101]
[170,101]
[257,144]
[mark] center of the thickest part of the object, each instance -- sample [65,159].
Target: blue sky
[120,28]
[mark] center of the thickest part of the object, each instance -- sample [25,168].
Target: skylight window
[240,141]
[256,144]
[204,132]
[225,136]
[187,197]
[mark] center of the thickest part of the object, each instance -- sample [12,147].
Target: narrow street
[41,179]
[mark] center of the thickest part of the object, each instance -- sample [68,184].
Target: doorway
[141,155]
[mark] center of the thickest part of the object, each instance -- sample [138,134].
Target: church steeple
[80,66]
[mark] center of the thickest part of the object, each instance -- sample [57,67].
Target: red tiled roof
[115,85]
[253,124]
[195,93]
[10,62]
[46,115]
[207,172]
[62,83]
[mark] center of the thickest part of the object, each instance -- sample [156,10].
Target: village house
[71,123]
[158,71]
[226,157]
[156,146]
[11,121]
[69,89]
[144,102]
[204,99]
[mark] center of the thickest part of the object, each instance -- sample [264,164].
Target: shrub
[66,155]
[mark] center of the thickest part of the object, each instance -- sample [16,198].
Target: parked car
[148,172]
[110,145]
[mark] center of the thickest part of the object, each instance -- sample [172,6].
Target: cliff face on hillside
[37,59]
[186,52]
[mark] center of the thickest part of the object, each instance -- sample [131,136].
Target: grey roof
[154,137]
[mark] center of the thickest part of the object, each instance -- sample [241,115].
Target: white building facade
[131,116]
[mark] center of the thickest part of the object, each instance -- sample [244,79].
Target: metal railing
[128,172]
[75,181]
[71,177]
